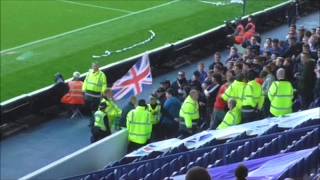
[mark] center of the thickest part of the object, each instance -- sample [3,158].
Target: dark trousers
[217,117]
[249,116]
[169,130]
[186,132]
[133,146]
[98,134]
[156,132]
[92,103]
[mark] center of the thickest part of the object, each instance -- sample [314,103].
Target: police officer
[189,114]
[113,112]
[155,112]
[235,90]
[253,99]
[280,95]
[94,85]
[139,126]
[101,128]
[233,116]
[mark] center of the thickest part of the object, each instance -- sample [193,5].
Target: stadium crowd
[256,80]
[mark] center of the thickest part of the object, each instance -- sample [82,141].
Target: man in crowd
[126,109]
[169,114]
[155,113]
[94,85]
[139,126]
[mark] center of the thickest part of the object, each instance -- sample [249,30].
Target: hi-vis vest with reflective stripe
[189,111]
[281,96]
[75,94]
[235,91]
[154,113]
[95,82]
[253,95]
[232,118]
[113,111]
[99,120]
[139,125]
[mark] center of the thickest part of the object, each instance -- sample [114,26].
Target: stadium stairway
[36,144]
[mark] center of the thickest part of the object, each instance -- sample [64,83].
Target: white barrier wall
[91,158]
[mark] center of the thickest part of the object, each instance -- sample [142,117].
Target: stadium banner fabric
[268,168]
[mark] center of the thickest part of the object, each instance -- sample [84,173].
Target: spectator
[281,95]
[100,128]
[233,55]
[292,13]
[216,60]
[139,126]
[75,95]
[241,172]
[250,29]
[267,45]
[253,45]
[170,112]
[180,83]
[114,111]
[294,47]
[275,47]
[300,34]
[196,81]
[197,173]
[233,116]
[211,91]
[166,84]
[316,90]
[219,108]
[161,95]
[306,80]
[126,109]
[94,85]
[189,114]
[202,72]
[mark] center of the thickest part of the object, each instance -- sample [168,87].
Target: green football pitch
[42,37]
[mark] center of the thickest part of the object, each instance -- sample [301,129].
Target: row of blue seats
[212,155]
[182,148]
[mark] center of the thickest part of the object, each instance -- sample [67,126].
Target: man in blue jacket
[170,112]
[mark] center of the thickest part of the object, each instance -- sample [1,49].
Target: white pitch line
[95,6]
[86,27]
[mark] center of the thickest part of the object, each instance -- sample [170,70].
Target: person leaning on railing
[94,85]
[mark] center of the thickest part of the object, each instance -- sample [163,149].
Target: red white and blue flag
[135,80]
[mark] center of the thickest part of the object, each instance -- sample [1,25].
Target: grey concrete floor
[50,141]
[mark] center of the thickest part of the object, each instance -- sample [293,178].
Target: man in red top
[250,29]
[220,106]
[75,94]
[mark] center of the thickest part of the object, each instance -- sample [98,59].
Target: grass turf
[31,67]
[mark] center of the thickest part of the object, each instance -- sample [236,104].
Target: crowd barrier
[160,59]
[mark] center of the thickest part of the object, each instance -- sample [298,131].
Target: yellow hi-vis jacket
[189,111]
[99,120]
[95,82]
[155,113]
[281,97]
[233,117]
[235,91]
[113,111]
[139,125]
[253,95]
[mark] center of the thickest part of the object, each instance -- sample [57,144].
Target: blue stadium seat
[174,165]
[156,174]
[165,170]
[141,170]
[124,177]
[183,170]
[148,177]
[110,176]
[133,174]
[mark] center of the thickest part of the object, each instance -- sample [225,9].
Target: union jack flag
[132,83]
